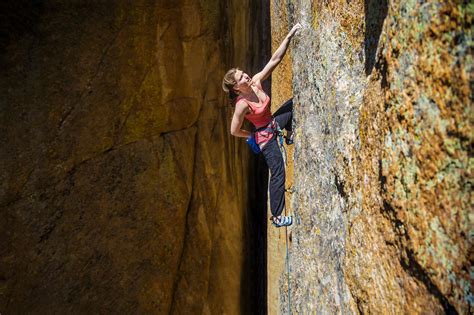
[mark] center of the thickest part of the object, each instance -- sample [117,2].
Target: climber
[252,103]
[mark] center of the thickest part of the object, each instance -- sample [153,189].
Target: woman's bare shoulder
[241,105]
[241,102]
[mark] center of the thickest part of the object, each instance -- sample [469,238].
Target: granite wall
[383,157]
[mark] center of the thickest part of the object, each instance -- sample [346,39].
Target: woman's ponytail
[228,84]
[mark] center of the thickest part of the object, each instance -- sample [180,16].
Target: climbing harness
[270,128]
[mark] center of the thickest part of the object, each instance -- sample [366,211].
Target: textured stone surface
[121,189]
[383,158]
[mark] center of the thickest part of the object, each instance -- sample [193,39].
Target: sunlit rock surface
[383,172]
[121,189]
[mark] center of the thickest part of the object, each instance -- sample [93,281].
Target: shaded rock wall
[121,190]
[383,162]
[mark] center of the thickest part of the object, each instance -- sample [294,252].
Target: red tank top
[260,116]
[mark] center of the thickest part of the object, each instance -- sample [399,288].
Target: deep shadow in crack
[416,270]
[256,240]
[254,276]
[375,14]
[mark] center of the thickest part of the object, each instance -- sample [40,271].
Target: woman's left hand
[295,28]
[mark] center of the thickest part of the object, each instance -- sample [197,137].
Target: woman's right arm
[277,56]
[241,109]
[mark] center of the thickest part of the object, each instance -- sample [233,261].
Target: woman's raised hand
[295,28]
[277,56]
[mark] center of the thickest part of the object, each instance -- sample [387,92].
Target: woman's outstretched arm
[277,56]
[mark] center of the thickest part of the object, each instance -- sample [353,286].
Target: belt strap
[271,127]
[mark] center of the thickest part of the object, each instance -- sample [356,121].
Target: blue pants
[274,159]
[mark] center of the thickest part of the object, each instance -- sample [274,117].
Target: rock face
[383,161]
[121,189]
[122,192]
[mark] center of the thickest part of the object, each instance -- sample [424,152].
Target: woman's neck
[244,92]
[251,92]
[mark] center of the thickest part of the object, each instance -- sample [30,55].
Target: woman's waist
[260,120]
[269,125]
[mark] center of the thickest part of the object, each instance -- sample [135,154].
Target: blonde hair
[228,83]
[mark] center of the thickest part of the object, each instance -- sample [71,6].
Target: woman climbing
[252,103]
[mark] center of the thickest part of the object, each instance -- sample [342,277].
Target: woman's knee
[285,120]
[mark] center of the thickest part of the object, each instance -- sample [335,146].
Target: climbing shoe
[282,221]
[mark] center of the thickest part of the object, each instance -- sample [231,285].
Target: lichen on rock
[382,158]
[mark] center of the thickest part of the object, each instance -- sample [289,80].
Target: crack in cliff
[413,268]
[130,110]
[186,227]
[190,38]
[74,168]
[119,133]
[69,111]
[408,260]
[340,186]
[58,214]
[181,256]
[17,195]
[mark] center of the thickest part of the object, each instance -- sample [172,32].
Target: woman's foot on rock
[282,221]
